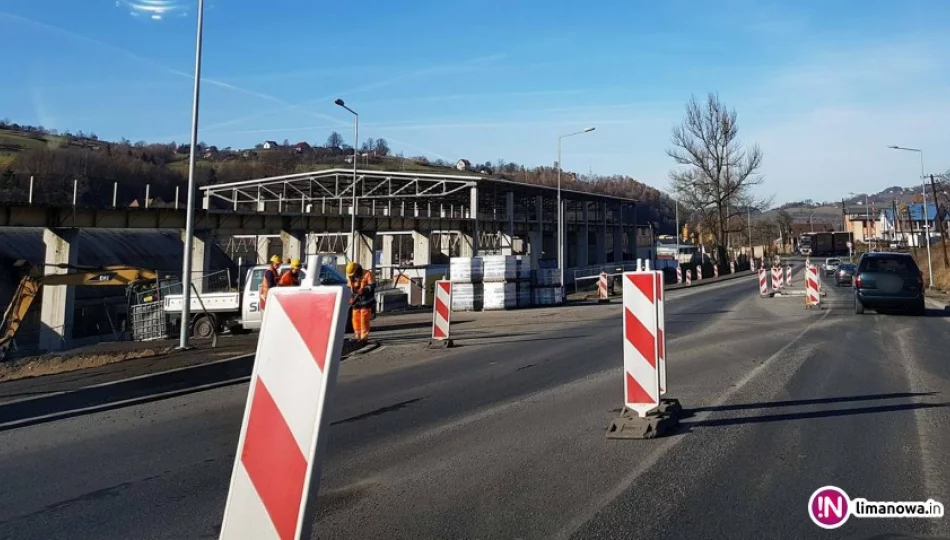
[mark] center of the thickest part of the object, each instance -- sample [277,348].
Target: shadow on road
[817,401]
[720,422]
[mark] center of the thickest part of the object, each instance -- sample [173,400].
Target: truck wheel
[203,327]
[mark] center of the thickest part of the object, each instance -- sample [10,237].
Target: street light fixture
[923,191]
[354,252]
[560,211]
[190,207]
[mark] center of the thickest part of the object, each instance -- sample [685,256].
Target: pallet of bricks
[547,287]
[491,282]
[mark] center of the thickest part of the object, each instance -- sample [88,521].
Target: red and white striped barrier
[602,291]
[642,341]
[812,287]
[732,267]
[715,271]
[679,274]
[442,315]
[788,276]
[661,330]
[276,475]
[763,282]
[776,278]
[699,272]
[688,280]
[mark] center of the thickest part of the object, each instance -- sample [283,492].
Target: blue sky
[822,86]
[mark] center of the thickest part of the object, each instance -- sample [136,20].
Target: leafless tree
[335,140]
[715,173]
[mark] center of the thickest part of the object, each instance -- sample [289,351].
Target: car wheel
[921,308]
[858,306]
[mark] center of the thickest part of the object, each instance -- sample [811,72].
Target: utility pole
[943,234]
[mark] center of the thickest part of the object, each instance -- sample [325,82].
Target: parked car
[845,273]
[831,266]
[888,281]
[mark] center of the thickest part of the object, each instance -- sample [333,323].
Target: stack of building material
[500,275]
[547,290]
[524,294]
[466,274]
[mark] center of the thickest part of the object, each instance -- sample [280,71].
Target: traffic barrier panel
[603,293]
[679,274]
[699,272]
[276,474]
[715,271]
[688,280]
[641,343]
[442,316]
[644,358]
[763,283]
[788,275]
[732,267]
[776,278]
[812,287]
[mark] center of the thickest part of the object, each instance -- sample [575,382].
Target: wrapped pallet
[548,296]
[499,268]
[500,295]
[466,269]
[525,294]
[550,277]
[523,268]
[467,296]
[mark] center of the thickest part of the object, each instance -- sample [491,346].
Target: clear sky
[822,86]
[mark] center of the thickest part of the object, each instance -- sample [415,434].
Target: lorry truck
[239,310]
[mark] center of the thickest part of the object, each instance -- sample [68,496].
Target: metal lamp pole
[923,191]
[190,208]
[560,217]
[354,253]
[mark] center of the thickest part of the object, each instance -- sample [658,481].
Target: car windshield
[833,262]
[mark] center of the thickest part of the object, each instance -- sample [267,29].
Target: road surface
[503,437]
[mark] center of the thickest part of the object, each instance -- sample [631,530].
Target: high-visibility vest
[265,287]
[289,279]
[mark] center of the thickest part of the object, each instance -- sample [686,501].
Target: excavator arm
[29,287]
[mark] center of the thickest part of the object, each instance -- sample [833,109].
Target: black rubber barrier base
[441,343]
[656,423]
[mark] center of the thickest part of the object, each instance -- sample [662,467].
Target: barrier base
[670,406]
[631,426]
[441,343]
[603,300]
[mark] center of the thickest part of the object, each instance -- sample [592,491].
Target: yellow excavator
[30,284]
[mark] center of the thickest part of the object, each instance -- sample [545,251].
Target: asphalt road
[503,437]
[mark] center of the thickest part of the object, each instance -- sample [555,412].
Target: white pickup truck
[237,311]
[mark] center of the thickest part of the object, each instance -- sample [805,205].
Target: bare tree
[335,140]
[716,173]
[382,147]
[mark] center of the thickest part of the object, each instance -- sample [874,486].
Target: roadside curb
[710,281]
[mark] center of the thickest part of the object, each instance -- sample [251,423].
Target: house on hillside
[301,147]
[911,223]
[862,221]
[270,145]
[463,165]
[211,152]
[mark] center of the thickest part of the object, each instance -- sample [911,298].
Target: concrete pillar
[510,213]
[387,258]
[366,250]
[420,249]
[539,208]
[618,244]
[263,244]
[466,246]
[600,244]
[535,247]
[58,307]
[583,237]
[475,211]
[293,245]
[201,257]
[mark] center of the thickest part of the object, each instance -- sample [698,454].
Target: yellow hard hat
[295,264]
[351,268]
[275,259]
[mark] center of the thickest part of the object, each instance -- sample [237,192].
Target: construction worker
[363,289]
[271,277]
[291,277]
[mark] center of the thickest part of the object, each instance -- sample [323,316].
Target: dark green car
[885,281]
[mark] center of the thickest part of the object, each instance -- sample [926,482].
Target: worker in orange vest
[363,288]
[291,277]
[270,279]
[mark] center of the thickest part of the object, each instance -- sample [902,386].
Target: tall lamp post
[923,191]
[354,252]
[560,212]
[190,208]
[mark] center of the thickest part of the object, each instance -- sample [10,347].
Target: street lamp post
[560,211]
[354,252]
[190,208]
[923,191]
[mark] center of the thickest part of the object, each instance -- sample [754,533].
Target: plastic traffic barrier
[442,315]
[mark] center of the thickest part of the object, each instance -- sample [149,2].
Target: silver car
[831,266]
